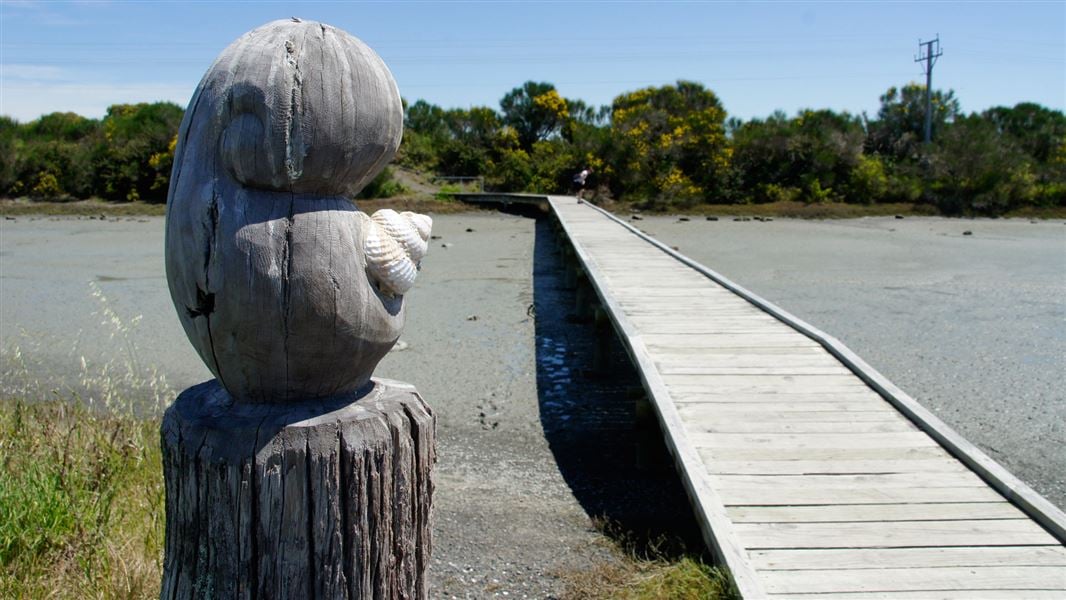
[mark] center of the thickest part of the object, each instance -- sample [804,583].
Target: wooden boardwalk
[811,474]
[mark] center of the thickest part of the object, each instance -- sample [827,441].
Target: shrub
[868,182]
[47,186]
[382,186]
[772,192]
[445,192]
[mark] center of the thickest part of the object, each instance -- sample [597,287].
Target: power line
[929,55]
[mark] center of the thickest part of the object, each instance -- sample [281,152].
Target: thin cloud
[28,72]
[25,101]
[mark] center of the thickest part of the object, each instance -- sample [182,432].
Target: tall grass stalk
[81,487]
[118,384]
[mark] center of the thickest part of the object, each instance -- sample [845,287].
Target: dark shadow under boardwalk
[588,416]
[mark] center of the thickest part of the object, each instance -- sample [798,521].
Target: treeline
[674,147]
[663,147]
[125,156]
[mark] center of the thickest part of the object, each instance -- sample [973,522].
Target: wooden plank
[748,453]
[729,412]
[795,442]
[800,384]
[875,512]
[836,467]
[658,294]
[998,594]
[668,371]
[694,323]
[700,311]
[831,482]
[760,496]
[667,353]
[784,403]
[805,427]
[749,358]
[745,329]
[753,365]
[905,558]
[916,579]
[708,308]
[686,341]
[641,282]
[758,387]
[897,534]
[751,388]
[701,325]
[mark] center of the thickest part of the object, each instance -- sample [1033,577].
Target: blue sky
[757,56]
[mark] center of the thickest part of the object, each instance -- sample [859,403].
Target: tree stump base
[320,499]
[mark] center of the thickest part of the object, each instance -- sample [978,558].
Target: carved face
[264,252]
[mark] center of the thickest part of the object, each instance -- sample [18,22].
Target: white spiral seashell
[394,245]
[422,223]
[407,229]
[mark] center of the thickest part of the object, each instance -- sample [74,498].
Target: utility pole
[929,54]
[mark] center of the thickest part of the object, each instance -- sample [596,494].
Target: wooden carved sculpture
[293,474]
[286,289]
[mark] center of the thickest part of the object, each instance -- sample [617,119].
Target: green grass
[81,503]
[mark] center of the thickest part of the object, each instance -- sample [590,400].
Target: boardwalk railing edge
[1016,491]
[718,530]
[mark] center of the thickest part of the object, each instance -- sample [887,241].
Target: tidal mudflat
[972,325]
[507,518]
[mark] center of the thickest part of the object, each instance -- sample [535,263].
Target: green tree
[56,145]
[425,131]
[9,142]
[670,144]
[467,146]
[132,135]
[812,156]
[66,126]
[426,119]
[974,168]
[510,168]
[1038,130]
[900,124]
[535,110]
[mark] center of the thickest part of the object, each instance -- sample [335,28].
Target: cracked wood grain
[319,499]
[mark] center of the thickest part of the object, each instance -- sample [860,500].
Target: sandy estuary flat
[529,441]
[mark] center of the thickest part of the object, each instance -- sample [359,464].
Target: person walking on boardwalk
[579,181]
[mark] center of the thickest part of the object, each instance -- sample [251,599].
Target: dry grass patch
[79,208]
[96,208]
[647,569]
[636,579]
[793,210]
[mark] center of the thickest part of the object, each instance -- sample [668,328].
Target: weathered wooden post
[293,474]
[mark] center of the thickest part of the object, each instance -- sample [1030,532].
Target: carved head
[280,282]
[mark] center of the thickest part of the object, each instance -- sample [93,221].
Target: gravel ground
[970,325]
[533,441]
